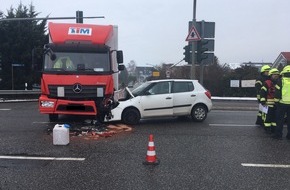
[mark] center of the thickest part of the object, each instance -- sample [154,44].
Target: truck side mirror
[121,67]
[49,52]
[53,57]
[119,57]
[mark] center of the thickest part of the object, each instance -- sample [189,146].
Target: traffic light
[187,53]
[201,49]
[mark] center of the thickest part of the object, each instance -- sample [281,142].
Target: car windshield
[137,91]
[74,61]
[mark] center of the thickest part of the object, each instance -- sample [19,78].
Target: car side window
[160,88]
[182,87]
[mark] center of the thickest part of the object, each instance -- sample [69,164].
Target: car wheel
[53,117]
[199,113]
[131,116]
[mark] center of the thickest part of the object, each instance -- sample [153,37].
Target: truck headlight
[47,104]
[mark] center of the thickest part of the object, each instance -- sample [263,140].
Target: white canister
[61,134]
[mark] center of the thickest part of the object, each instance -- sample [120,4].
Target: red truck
[80,70]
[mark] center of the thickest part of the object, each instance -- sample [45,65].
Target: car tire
[199,113]
[53,117]
[131,116]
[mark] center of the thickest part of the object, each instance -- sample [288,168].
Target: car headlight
[47,104]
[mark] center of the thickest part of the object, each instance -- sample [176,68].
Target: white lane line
[41,122]
[41,158]
[234,125]
[266,165]
[5,109]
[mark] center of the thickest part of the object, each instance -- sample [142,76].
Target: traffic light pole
[193,43]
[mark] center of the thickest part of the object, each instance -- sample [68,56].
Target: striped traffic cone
[151,158]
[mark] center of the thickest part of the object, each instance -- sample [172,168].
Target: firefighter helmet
[274,71]
[286,69]
[265,68]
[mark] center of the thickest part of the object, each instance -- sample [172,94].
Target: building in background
[143,72]
[282,60]
[257,65]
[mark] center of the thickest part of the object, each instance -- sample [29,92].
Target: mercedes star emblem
[77,88]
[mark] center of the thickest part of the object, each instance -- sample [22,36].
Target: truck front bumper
[59,106]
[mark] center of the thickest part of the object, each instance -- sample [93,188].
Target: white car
[163,98]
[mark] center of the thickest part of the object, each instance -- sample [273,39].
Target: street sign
[168,74]
[156,74]
[17,65]
[193,35]
[208,30]
[206,33]
[209,45]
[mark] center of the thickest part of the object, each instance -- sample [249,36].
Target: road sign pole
[193,43]
[201,63]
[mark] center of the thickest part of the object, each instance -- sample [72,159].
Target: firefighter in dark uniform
[282,100]
[258,85]
[267,100]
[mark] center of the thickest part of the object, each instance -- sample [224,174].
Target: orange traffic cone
[151,158]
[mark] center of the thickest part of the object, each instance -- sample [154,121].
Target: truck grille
[68,92]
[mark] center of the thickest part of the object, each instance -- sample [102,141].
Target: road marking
[41,158]
[232,125]
[41,122]
[5,109]
[266,165]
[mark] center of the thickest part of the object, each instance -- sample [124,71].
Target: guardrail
[17,92]
[13,95]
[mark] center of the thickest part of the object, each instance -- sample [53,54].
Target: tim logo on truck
[80,31]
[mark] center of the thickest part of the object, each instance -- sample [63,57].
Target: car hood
[129,92]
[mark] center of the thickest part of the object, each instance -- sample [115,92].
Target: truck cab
[80,71]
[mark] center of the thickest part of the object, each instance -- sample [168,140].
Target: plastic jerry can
[60,134]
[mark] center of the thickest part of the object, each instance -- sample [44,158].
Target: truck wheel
[199,113]
[53,117]
[131,116]
[101,118]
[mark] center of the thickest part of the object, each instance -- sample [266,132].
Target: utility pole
[193,43]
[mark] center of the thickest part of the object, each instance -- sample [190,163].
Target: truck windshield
[75,61]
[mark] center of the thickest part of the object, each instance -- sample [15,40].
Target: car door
[184,97]
[157,100]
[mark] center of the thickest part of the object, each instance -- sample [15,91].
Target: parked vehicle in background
[163,98]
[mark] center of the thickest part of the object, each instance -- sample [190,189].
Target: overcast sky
[154,31]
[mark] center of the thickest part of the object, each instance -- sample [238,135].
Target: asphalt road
[226,151]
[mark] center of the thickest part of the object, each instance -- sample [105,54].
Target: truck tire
[101,118]
[53,117]
[131,116]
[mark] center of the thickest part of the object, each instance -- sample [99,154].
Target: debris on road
[91,132]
